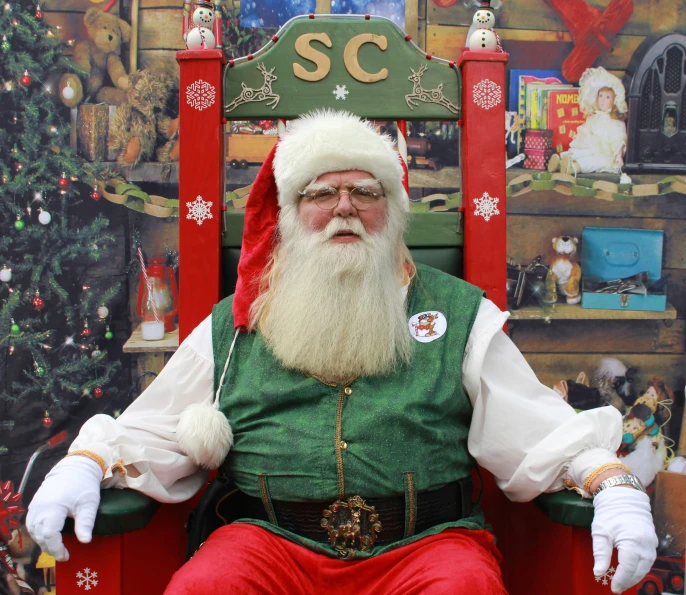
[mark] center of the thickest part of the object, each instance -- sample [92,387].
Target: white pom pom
[205,435]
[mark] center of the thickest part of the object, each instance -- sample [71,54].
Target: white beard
[336,311]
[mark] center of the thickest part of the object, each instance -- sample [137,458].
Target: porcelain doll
[600,141]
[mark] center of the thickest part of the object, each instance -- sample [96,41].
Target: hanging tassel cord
[215,404]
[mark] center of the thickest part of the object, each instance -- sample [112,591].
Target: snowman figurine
[481,36]
[200,37]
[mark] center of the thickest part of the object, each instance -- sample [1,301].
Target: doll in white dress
[600,141]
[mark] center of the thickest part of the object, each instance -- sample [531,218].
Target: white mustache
[338,224]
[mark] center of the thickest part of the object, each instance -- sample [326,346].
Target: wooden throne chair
[368,66]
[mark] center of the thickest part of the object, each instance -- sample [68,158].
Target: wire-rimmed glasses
[361,197]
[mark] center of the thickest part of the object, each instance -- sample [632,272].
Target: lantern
[158,293]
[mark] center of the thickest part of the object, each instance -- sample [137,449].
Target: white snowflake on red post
[199,210]
[341,92]
[200,95]
[87,579]
[487,94]
[606,578]
[486,206]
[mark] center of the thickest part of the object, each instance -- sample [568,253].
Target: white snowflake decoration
[341,92]
[87,579]
[199,210]
[606,578]
[487,94]
[200,95]
[486,206]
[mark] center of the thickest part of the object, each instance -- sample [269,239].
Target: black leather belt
[447,504]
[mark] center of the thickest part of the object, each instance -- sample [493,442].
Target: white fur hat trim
[324,141]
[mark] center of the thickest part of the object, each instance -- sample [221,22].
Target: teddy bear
[143,115]
[97,56]
[565,268]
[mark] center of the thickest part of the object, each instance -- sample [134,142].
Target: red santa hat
[319,142]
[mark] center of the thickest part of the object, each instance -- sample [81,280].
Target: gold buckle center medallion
[352,525]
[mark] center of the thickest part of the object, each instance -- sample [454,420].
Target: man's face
[372,218]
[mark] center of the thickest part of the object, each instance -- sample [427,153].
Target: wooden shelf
[136,343]
[576,312]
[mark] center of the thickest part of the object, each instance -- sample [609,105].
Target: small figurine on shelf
[600,141]
[200,36]
[565,268]
[550,295]
[481,36]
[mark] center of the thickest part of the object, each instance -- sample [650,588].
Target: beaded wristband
[591,477]
[93,456]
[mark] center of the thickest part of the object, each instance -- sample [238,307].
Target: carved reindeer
[265,92]
[419,93]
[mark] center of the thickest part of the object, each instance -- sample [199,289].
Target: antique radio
[655,81]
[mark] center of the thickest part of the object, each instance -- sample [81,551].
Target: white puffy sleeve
[522,431]
[139,447]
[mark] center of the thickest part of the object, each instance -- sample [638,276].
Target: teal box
[609,254]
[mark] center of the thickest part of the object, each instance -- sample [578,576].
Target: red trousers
[249,560]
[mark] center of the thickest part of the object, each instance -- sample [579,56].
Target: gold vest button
[344,444]
[348,391]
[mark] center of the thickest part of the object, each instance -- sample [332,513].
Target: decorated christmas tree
[59,360]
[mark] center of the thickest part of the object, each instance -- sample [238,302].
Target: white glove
[72,488]
[622,519]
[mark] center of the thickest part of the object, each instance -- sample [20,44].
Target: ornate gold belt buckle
[352,525]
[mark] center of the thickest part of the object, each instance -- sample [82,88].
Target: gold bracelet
[591,477]
[93,456]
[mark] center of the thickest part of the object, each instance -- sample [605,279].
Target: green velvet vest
[297,438]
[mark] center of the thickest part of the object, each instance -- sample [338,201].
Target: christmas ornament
[44,217]
[18,167]
[86,332]
[40,371]
[38,302]
[14,327]
[97,392]
[5,44]
[39,12]
[18,224]
[25,79]
[53,129]
[68,92]
[11,349]
[37,197]
[11,511]
[8,6]
[95,195]
[5,274]
[96,353]
[108,333]
[63,182]
[47,420]
[103,312]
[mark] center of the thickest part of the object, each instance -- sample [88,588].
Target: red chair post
[201,185]
[482,160]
